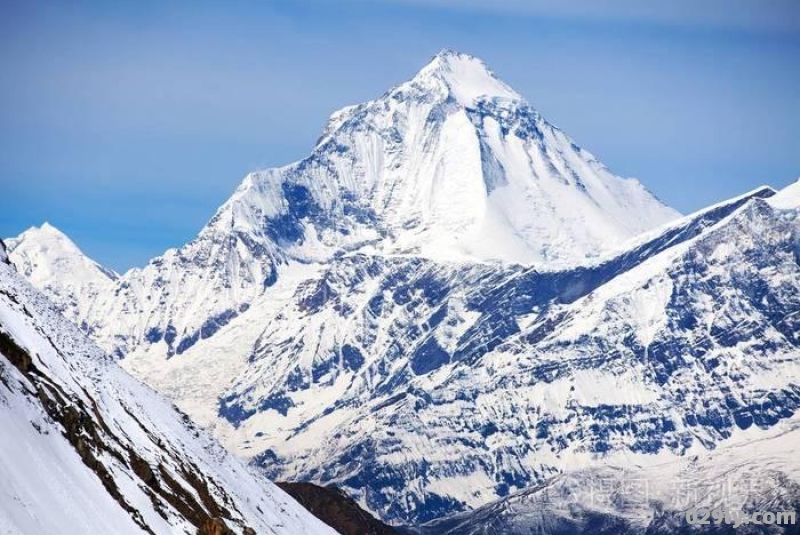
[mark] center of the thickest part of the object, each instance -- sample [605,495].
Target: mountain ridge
[632,500]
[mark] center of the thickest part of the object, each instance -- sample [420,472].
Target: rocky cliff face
[422,388]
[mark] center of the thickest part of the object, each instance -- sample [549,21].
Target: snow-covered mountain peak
[46,233]
[39,251]
[51,261]
[452,164]
[466,78]
[450,81]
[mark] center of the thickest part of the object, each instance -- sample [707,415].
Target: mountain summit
[450,165]
[52,262]
[465,77]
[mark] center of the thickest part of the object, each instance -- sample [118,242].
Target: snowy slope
[86,449]
[634,500]
[450,165]
[787,198]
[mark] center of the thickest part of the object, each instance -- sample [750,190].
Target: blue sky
[127,124]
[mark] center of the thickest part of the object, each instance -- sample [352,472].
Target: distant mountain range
[449,303]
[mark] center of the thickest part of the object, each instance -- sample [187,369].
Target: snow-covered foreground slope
[758,473]
[450,165]
[86,449]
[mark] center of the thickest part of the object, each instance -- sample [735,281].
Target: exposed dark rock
[215,526]
[333,507]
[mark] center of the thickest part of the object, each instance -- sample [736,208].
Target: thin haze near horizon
[127,125]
